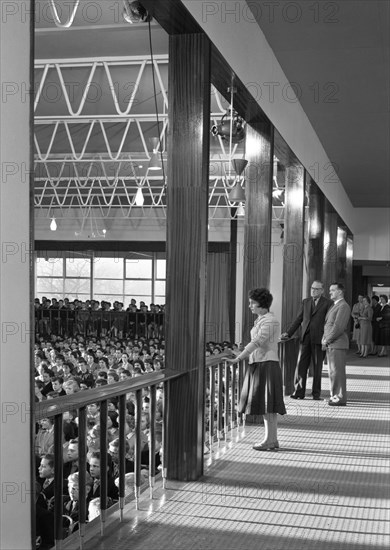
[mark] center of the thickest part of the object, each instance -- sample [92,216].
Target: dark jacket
[312,321]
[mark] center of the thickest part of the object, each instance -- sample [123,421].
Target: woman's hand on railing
[233,358]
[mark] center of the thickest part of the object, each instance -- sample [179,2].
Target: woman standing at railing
[262,390]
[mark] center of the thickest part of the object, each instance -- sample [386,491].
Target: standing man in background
[312,319]
[336,343]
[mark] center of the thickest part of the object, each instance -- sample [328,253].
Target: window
[134,275]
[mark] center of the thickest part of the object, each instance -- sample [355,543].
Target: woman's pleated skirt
[262,390]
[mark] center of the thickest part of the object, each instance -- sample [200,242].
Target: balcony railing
[223,387]
[65,322]
[79,401]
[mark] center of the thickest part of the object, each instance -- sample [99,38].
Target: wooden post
[330,247]
[187,200]
[316,235]
[258,216]
[293,244]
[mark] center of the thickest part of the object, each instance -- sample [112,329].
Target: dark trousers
[308,352]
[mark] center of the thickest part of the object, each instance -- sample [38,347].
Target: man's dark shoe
[295,396]
[317,398]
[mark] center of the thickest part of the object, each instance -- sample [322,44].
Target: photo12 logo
[271,12]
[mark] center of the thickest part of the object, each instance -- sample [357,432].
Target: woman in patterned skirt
[262,390]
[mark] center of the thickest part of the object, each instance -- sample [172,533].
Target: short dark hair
[367,298]
[375,297]
[340,286]
[262,296]
[97,455]
[384,297]
[113,374]
[50,459]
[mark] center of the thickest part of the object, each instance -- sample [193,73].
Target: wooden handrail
[53,407]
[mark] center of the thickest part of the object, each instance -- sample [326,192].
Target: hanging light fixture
[139,197]
[237,193]
[232,128]
[134,12]
[53,224]
[155,162]
[241,210]
[277,191]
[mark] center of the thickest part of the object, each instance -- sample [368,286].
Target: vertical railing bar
[240,382]
[212,371]
[220,399]
[233,398]
[103,464]
[165,435]
[58,482]
[227,397]
[152,442]
[137,452]
[122,454]
[82,466]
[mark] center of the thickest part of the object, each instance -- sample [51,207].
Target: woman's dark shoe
[266,446]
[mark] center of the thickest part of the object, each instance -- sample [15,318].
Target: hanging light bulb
[53,225]
[139,197]
[241,210]
[155,161]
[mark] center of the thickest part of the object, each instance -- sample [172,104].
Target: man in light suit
[312,319]
[336,343]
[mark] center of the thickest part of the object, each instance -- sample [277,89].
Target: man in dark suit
[94,470]
[336,343]
[46,475]
[312,319]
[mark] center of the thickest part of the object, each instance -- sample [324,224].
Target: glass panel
[77,286]
[78,267]
[109,286]
[109,298]
[161,269]
[80,296]
[108,268]
[51,267]
[40,295]
[147,298]
[139,269]
[51,288]
[159,288]
[136,288]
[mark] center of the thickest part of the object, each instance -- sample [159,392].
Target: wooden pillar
[17,465]
[187,202]
[349,262]
[293,244]
[330,247]
[258,216]
[316,235]
[341,276]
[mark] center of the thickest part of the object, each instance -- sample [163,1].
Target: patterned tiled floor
[327,488]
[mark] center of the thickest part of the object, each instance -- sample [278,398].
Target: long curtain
[217,304]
